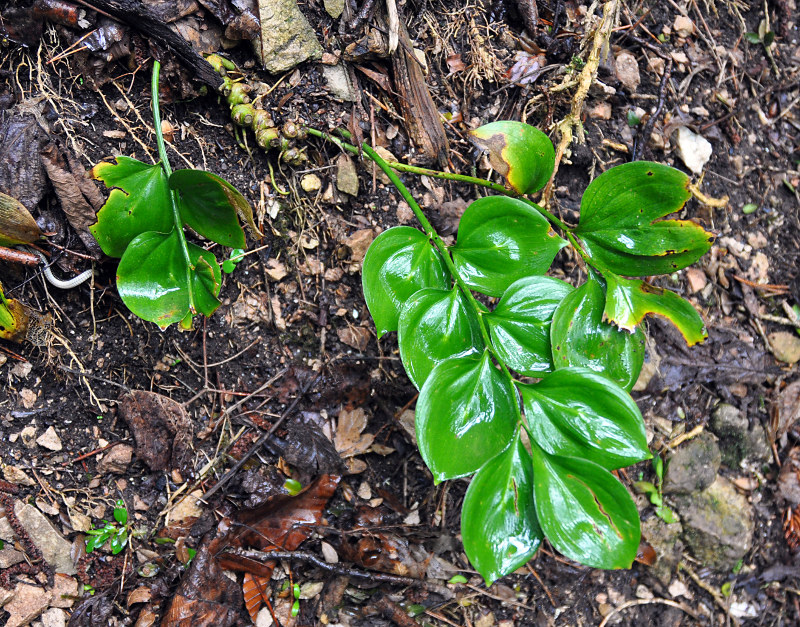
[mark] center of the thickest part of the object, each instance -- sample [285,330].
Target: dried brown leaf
[349,439]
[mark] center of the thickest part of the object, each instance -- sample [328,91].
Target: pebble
[601,111]
[311,183]
[15,474]
[187,508]
[346,176]
[50,440]
[785,346]
[683,26]
[693,149]
[627,70]
[22,369]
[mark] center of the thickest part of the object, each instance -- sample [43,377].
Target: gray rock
[346,175]
[287,38]
[339,84]
[334,8]
[694,150]
[717,525]
[693,466]
[666,541]
[55,548]
[737,440]
[627,70]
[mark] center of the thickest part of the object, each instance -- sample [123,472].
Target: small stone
[116,460]
[22,369]
[28,435]
[54,617]
[679,589]
[264,618]
[697,279]
[9,557]
[15,474]
[364,491]
[487,620]
[334,8]
[358,243]
[27,604]
[339,84]
[785,346]
[693,466]
[627,70]
[683,26]
[187,508]
[64,592]
[717,524]
[694,150]
[601,111]
[404,213]
[287,38]
[55,549]
[329,553]
[28,398]
[50,440]
[311,183]
[346,175]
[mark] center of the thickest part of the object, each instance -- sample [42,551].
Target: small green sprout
[115,533]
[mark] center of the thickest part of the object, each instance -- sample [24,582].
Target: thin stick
[627,604]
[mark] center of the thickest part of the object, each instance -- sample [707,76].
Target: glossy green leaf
[436,325]
[95,542]
[118,541]
[522,154]
[138,203]
[501,240]
[400,262]
[466,414]
[580,337]
[520,324]
[584,511]
[499,527]
[575,412]
[153,278]
[618,224]
[120,512]
[209,206]
[628,301]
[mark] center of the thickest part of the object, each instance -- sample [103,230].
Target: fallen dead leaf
[358,243]
[161,429]
[349,439]
[356,337]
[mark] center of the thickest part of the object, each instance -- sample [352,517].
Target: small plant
[161,276]
[116,532]
[529,392]
[655,492]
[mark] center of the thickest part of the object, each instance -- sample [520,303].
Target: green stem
[434,237]
[173,200]
[449,176]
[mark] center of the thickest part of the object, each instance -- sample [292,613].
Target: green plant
[161,276]
[116,532]
[655,492]
[546,472]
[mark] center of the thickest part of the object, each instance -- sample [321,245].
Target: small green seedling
[229,265]
[655,492]
[530,394]
[161,276]
[116,532]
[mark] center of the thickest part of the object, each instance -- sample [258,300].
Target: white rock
[694,150]
[329,553]
[186,508]
[50,440]
[15,474]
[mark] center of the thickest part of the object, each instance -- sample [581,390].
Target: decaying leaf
[256,593]
[309,450]
[17,225]
[161,429]
[787,409]
[205,597]
[384,552]
[21,172]
[350,439]
[80,199]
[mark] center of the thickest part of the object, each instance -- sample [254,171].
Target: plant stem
[173,200]
[433,236]
[449,176]
[162,149]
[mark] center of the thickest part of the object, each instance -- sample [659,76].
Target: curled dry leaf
[256,593]
[161,428]
[349,439]
[386,553]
